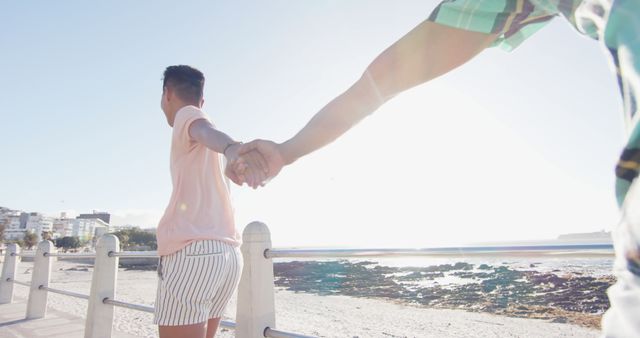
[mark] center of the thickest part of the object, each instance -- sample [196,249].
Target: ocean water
[589,259]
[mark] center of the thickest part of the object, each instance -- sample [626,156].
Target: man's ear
[201,103]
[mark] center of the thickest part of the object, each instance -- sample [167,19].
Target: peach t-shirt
[200,207]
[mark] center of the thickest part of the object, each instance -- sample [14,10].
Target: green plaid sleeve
[513,20]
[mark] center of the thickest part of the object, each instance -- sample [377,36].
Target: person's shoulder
[189,114]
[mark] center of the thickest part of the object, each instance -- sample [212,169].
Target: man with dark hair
[186,81]
[198,243]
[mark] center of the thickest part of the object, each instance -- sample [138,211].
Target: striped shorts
[196,282]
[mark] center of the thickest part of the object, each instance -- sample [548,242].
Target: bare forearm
[428,51]
[336,118]
[203,132]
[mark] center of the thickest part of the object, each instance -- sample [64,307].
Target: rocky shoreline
[553,296]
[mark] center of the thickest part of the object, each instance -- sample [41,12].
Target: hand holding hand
[256,162]
[249,167]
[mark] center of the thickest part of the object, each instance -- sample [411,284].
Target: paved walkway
[56,324]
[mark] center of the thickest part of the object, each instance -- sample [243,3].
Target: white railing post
[9,269]
[256,307]
[37,303]
[103,285]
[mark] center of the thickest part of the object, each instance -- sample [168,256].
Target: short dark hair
[187,82]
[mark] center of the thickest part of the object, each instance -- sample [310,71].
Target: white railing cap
[256,232]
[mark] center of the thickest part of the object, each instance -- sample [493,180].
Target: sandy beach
[323,316]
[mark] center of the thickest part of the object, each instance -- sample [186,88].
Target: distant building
[86,226]
[100,230]
[18,223]
[11,221]
[37,223]
[86,229]
[91,226]
[6,214]
[104,216]
[62,227]
[24,218]
[12,231]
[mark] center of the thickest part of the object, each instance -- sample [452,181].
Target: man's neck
[182,106]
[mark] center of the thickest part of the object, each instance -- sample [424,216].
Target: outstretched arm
[426,52]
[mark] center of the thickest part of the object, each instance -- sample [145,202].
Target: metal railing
[434,252]
[10,280]
[63,292]
[149,309]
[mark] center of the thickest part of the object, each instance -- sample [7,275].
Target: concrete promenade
[56,324]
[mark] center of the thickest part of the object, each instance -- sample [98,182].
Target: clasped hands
[253,163]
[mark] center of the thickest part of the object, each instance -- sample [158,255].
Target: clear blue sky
[512,145]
